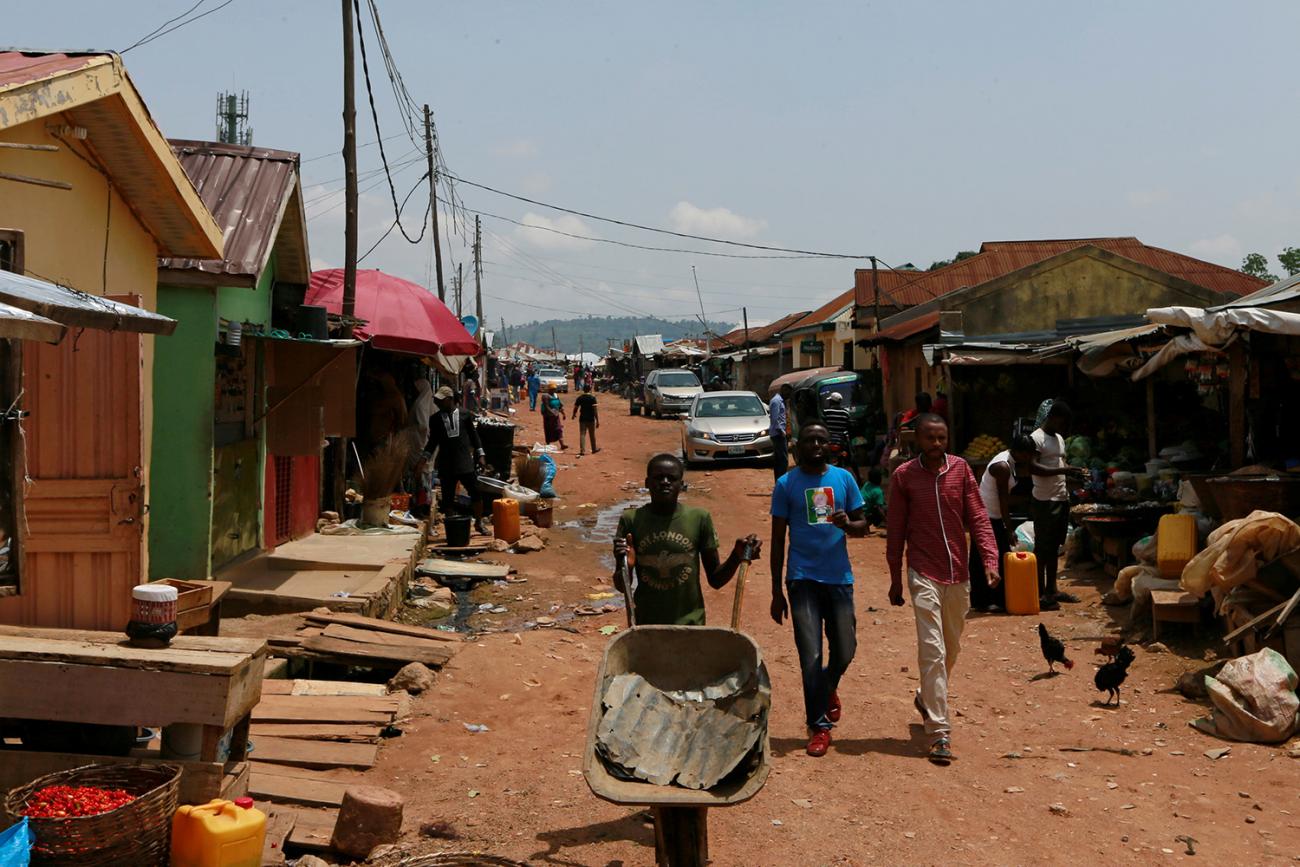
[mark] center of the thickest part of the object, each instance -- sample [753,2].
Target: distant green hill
[594,333]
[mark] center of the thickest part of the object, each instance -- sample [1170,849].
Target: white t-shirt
[1051,453]
[989,484]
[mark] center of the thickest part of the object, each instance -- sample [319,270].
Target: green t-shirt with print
[668,563]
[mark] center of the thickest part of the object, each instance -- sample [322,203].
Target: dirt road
[1014,796]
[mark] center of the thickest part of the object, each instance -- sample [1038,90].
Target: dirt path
[517,791]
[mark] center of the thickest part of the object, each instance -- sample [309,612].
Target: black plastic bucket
[458,531]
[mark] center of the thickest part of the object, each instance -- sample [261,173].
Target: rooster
[1053,650]
[1112,674]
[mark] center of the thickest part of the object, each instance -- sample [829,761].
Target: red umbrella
[401,316]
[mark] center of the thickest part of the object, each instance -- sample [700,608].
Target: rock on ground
[414,677]
[369,817]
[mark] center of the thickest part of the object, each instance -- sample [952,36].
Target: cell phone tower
[232,119]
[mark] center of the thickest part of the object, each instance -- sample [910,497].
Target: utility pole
[478,272]
[708,343]
[505,335]
[460,287]
[749,350]
[875,291]
[433,201]
[350,175]
[555,344]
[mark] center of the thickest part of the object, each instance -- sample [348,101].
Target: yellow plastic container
[1175,544]
[505,520]
[218,834]
[1021,578]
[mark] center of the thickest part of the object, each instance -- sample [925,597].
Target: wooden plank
[313,830]
[119,654]
[385,639]
[360,654]
[284,789]
[219,644]
[277,687]
[345,709]
[385,626]
[339,687]
[1255,621]
[461,568]
[119,696]
[315,754]
[316,731]
[279,824]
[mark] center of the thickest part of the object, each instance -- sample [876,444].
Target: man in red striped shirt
[934,502]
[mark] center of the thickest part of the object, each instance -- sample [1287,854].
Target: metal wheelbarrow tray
[676,658]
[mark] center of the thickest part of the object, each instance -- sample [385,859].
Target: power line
[156,34]
[374,115]
[634,246]
[397,221]
[687,235]
[339,153]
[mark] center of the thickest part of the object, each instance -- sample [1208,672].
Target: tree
[943,263]
[1290,260]
[1257,266]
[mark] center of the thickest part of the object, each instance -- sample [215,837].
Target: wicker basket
[138,833]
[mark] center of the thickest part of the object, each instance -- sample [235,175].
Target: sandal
[941,752]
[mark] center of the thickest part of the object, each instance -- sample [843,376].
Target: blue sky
[904,130]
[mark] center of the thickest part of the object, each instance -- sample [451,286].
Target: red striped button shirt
[931,512]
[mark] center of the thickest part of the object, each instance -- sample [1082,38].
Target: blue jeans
[780,455]
[814,606]
[532,400]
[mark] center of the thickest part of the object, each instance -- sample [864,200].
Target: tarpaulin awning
[19,324]
[993,354]
[77,309]
[400,316]
[1218,327]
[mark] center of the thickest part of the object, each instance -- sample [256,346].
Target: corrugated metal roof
[901,288]
[255,196]
[759,333]
[649,344]
[1284,290]
[23,67]
[904,330]
[999,258]
[826,312]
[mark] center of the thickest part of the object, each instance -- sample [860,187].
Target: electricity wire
[156,34]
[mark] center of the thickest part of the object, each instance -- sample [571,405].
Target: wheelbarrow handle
[738,602]
[626,567]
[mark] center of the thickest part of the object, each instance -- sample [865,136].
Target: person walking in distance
[534,383]
[1050,507]
[817,506]
[933,503]
[584,409]
[778,425]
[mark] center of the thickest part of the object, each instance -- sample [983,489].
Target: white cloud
[722,222]
[535,227]
[518,149]
[1225,249]
[1147,198]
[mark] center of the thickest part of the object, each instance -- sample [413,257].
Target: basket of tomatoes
[100,815]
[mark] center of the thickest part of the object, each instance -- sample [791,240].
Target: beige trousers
[940,611]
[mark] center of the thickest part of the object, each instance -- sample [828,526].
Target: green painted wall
[180,493]
[241,304]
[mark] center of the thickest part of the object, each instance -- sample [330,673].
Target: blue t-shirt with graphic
[818,549]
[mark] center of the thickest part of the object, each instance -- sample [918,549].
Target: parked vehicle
[553,376]
[670,391]
[725,425]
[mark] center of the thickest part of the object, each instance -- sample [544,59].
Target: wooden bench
[1173,606]
[83,676]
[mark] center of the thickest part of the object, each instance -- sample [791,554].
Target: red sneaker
[835,709]
[819,743]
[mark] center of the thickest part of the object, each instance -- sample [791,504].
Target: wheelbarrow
[674,658]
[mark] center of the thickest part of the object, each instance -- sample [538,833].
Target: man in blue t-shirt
[819,504]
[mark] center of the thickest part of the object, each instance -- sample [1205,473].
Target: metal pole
[350,174]
[478,273]
[433,201]
[460,289]
[708,347]
[749,350]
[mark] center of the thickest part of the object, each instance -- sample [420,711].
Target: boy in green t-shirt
[670,542]
[873,498]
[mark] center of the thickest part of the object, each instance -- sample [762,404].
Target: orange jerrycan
[1021,578]
[218,834]
[1175,544]
[505,520]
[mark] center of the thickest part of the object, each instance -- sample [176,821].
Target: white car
[726,425]
[549,376]
[670,391]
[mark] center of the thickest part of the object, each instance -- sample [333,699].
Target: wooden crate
[191,594]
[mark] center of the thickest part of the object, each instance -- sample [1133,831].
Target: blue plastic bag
[548,474]
[16,844]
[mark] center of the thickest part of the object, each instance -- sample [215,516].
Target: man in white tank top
[1000,476]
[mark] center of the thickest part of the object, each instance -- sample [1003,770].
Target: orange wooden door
[84,539]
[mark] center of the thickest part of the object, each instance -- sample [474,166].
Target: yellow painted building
[90,197]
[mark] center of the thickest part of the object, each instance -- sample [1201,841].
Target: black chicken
[1053,649]
[1112,674]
